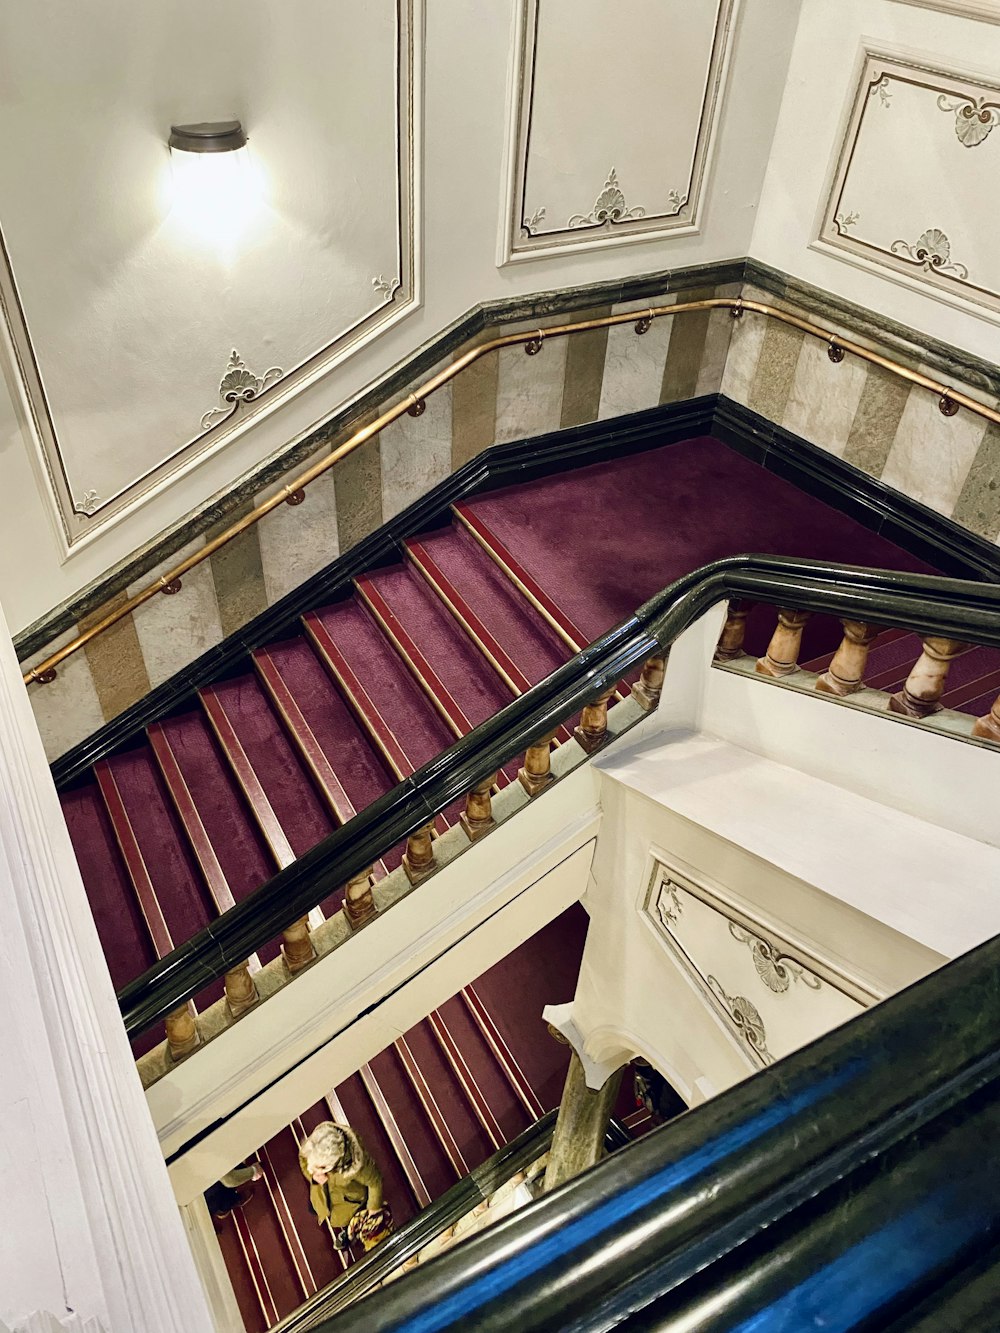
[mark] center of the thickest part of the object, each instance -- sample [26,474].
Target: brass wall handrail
[949,401]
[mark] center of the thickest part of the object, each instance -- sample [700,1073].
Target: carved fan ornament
[609,207]
[746,1018]
[974,117]
[238,385]
[776,969]
[932,251]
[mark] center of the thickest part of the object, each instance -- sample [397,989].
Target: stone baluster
[296,946]
[359,903]
[477,818]
[593,729]
[988,728]
[646,691]
[730,644]
[183,1036]
[241,992]
[536,774]
[846,672]
[921,695]
[782,656]
[418,859]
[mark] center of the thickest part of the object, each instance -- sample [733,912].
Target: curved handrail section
[927,604]
[847,1180]
[949,401]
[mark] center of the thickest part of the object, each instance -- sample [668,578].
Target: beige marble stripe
[585,357]
[296,541]
[530,390]
[67,710]
[238,575]
[357,480]
[775,373]
[824,397]
[633,363]
[876,420]
[686,353]
[116,663]
[746,339]
[932,454]
[174,630]
[474,404]
[416,453]
[978,504]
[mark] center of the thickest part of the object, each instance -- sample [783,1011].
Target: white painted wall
[89,1223]
[819,95]
[465,99]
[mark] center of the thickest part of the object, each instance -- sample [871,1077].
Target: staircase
[431,1108]
[213,801]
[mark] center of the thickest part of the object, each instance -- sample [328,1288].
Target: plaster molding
[42,1321]
[917,225]
[532,228]
[80,517]
[987,11]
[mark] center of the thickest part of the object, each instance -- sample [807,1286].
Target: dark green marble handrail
[928,604]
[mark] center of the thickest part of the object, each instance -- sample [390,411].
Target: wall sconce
[216,188]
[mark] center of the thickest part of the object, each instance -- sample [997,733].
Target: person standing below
[345,1186]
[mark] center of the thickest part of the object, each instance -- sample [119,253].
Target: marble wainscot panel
[505,395]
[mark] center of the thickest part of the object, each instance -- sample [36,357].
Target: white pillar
[92,1238]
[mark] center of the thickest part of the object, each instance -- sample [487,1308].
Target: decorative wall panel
[987,10]
[612,122]
[771,996]
[155,317]
[915,189]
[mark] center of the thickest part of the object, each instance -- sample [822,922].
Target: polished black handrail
[369,1272]
[846,1185]
[928,604]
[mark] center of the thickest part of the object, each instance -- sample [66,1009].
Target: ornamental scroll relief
[771,997]
[917,185]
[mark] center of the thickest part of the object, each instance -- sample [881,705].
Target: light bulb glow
[215,196]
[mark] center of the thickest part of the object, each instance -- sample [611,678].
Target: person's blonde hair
[327,1149]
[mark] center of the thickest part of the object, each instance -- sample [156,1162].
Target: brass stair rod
[949,402]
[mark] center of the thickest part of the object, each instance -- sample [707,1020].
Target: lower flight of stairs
[217,797]
[436,1104]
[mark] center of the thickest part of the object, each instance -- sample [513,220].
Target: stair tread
[347,766]
[400,718]
[465,674]
[509,1117]
[227,845]
[435,1170]
[166,859]
[529,645]
[470,1140]
[261,1217]
[287,786]
[247,1298]
[120,924]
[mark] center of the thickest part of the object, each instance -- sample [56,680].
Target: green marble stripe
[775,373]
[585,356]
[686,351]
[238,576]
[876,420]
[978,505]
[474,404]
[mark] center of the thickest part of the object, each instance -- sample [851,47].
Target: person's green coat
[345,1192]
